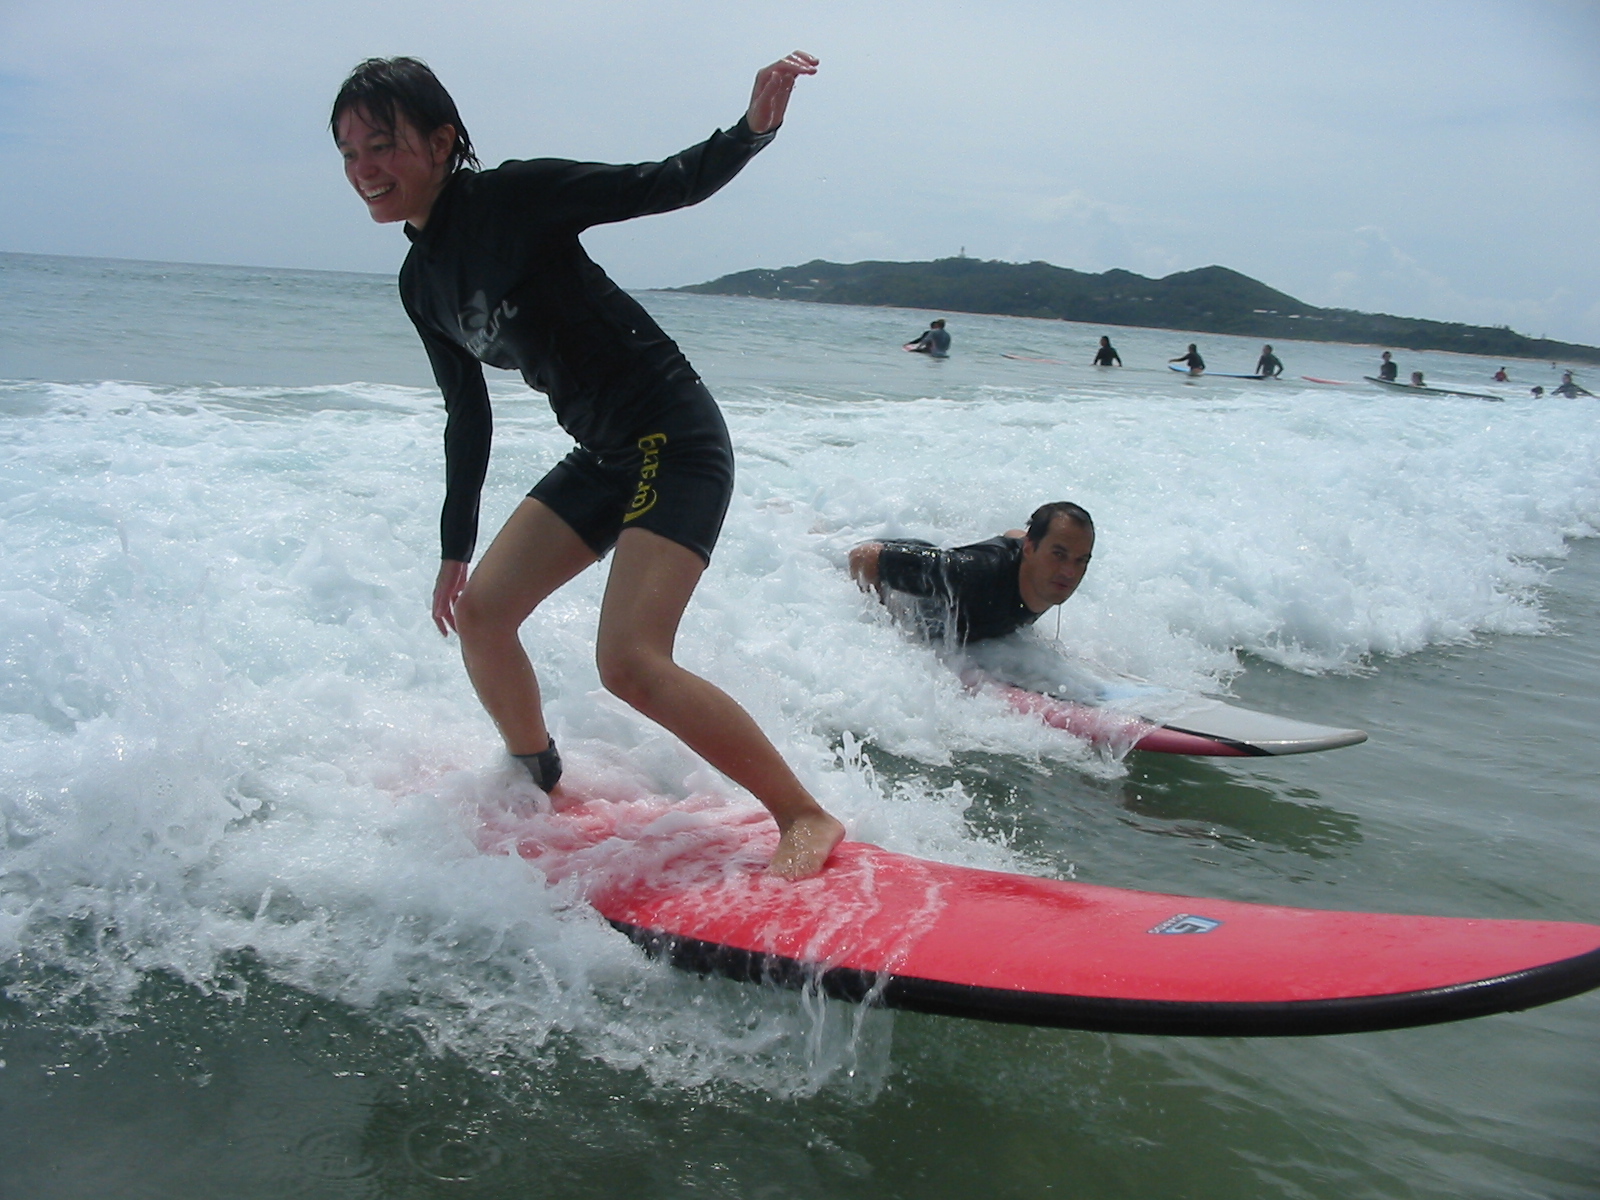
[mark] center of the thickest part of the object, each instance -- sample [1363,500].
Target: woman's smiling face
[398,172]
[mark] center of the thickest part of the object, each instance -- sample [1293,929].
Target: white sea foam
[230,723]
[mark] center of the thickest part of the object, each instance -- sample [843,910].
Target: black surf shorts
[674,477]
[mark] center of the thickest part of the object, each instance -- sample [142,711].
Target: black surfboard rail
[1543,984]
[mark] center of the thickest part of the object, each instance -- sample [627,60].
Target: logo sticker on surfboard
[1186,923]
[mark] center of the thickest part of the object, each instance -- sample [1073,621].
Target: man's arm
[864,566]
[916,568]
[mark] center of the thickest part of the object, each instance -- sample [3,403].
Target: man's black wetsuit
[497,275]
[1269,366]
[1389,371]
[1106,356]
[972,587]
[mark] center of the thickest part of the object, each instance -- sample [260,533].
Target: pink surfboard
[1200,725]
[684,880]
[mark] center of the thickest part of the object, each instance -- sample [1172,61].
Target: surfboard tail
[1207,727]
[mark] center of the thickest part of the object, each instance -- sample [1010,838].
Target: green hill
[1208,300]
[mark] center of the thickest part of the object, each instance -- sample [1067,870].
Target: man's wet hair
[1043,516]
[386,89]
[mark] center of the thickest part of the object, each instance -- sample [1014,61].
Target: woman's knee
[632,675]
[479,615]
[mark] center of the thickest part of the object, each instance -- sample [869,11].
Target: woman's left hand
[770,97]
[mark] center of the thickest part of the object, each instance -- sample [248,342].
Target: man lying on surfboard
[990,588]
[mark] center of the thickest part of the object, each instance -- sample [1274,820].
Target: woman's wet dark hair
[385,89]
[1039,523]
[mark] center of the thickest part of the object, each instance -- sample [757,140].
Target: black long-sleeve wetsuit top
[497,275]
[975,586]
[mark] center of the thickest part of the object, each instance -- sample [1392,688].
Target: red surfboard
[684,880]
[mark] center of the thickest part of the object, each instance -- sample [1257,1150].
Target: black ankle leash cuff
[545,767]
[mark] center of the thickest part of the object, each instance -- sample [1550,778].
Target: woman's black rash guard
[497,275]
[975,584]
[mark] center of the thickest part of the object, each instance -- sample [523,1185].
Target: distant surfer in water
[935,341]
[496,274]
[1568,387]
[1501,376]
[1107,355]
[987,589]
[1388,369]
[1196,364]
[1268,366]
[1416,379]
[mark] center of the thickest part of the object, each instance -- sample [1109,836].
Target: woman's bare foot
[804,845]
[561,799]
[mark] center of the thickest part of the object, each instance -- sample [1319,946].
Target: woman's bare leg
[531,557]
[651,581]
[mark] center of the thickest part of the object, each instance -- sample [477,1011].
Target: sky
[1425,159]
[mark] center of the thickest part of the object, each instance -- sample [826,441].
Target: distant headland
[1207,300]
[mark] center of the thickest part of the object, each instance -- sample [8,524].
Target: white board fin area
[1166,722]
[1255,733]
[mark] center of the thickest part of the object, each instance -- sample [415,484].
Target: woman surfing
[496,275]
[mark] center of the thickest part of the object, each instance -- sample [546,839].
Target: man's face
[1052,570]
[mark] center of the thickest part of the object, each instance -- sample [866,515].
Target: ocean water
[249,945]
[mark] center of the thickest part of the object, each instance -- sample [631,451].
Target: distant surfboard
[685,881]
[1216,374]
[1054,362]
[1428,391]
[1334,382]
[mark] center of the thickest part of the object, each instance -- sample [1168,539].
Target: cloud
[1380,276]
[1090,234]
